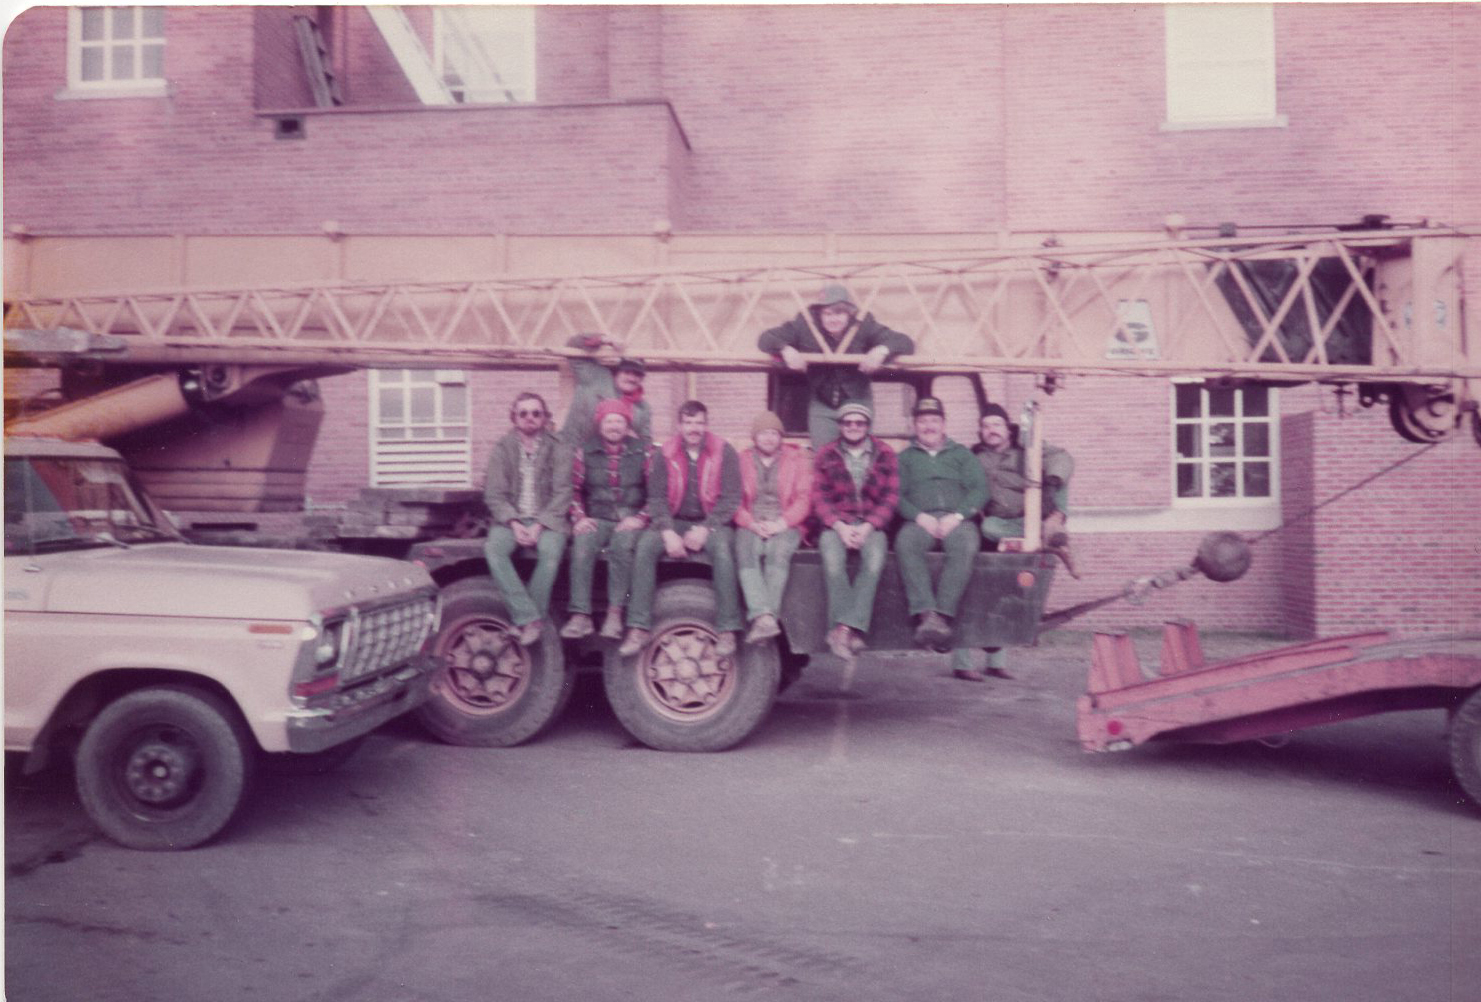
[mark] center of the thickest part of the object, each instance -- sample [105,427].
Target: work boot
[838,642]
[725,644]
[763,627]
[578,626]
[612,624]
[856,641]
[969,674]
[531,631]
[1059,545]
[933,631]
[636,640]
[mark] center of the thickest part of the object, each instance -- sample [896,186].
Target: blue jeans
[763,566]
[911,546]
[525,604]
[852,603]
[718,548]
[620,547]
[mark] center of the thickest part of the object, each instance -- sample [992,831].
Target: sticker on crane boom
[1134,337]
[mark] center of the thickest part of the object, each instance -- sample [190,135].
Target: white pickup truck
[171,670]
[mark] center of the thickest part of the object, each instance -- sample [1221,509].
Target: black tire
[164,768]
[1465,746]
[488,691]
[311,763]
[675,695]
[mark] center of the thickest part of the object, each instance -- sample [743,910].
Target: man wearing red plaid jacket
[856,486]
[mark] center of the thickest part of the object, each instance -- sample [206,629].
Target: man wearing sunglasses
[528,492]
[856,486]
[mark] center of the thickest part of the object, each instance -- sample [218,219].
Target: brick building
[184,146]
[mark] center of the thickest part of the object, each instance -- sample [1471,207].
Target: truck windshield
[58,503]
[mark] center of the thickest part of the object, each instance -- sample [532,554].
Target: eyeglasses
[854,423]
[529,413]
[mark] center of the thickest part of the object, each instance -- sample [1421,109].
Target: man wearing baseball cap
[856,485]
[941,487]
[605,376]
[833,326]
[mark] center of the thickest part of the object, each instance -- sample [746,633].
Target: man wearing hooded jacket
[833,325]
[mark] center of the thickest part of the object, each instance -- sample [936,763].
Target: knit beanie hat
[765,421]
[997,409]
[854,407]
[836,293]
[614,406]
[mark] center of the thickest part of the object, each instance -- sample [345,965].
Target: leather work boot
[612,624]
[725,644]
[856,641]
[636,640]
[1060,547]
[838,642]
[764,627]
[578,626]
[530,632]
[933,631]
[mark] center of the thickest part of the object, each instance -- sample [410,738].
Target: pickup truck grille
[385,636]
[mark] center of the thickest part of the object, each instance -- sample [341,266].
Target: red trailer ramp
[1260,695]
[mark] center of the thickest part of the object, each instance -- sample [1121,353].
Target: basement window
[115,51]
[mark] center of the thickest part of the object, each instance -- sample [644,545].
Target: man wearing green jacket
[601,378]
[528,492]
[941,487]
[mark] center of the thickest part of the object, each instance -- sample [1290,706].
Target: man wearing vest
[776,495]
[941,487]
[609,493]
[528,491]
[856,485]
[694,489]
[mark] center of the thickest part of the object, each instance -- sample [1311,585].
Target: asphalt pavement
[890,833]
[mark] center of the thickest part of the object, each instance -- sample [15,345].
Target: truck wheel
[164,768]
[675,694]
[1465,746]
[489,691]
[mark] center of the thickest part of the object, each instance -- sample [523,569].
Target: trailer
[1282,690]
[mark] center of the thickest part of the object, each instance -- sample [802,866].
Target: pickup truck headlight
[327,650]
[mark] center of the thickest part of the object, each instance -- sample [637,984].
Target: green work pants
[525,604]
[585,547]
[719,548]
[852,602]
[911,546]
[762,566]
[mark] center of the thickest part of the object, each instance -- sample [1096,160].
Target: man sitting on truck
[609,495]
[941,487]
[596,381]
[834,321]
[1005,463]
[528,492]
[856,486]
[694,489]
[776,495]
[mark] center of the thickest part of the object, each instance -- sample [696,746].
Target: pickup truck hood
[181,579]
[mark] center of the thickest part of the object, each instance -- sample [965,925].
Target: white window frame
[1204,422]
[519,20]
[1220,66]
[443,457]
[133,86]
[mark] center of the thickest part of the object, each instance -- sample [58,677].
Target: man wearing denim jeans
[693,493]
[528,491]
[776,495]
[609,511]
[941,487]
[856,486]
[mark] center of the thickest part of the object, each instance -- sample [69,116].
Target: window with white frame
[419,428]
[1220,65]
[115,48]
[486,54]
[1224,443]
